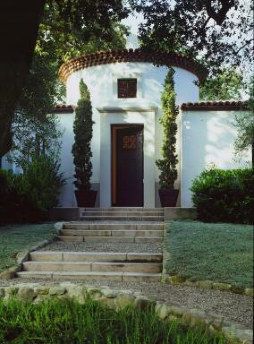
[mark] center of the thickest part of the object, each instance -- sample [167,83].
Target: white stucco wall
[207,139]
[109,109]
[67,198]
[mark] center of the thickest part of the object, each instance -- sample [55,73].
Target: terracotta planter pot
[168,197]
[86,198]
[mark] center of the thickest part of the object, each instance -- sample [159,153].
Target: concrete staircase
[133,226]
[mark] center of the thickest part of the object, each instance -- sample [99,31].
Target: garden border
[36,292]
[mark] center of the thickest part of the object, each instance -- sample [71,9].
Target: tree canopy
[217,32]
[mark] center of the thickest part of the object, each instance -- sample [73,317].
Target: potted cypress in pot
[81,149]
[167,164]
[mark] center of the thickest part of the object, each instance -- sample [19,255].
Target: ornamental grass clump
[65,321]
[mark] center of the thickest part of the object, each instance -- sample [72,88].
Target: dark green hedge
[224,195]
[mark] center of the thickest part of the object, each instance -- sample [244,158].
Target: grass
[218,252]
[16,238]
[65,321]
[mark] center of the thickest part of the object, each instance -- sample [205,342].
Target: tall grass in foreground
[65,321]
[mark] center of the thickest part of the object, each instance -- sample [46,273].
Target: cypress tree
[167,164]
[83,131]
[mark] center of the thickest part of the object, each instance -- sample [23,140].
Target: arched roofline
[138,55]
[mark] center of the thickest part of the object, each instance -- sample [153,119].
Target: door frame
[114,128]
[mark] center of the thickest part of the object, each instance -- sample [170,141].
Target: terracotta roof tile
[157,58]
[215,105]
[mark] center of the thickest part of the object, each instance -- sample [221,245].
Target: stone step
[113,226]
[92,266]
[88,276]
[94,256]
[108,239]
[122,218]
[122,213]
[129,209]
[112,233]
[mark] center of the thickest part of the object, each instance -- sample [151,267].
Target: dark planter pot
[168,197]
[86,198]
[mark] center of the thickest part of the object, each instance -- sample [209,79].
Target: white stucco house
[125,88]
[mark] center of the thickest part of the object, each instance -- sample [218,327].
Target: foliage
[167,165]
[68,28]
[245,127]
[224,195]
[224,86]
[33,138]
[73,28]
[219,252]
[83,130]
[218,32]
[42,182]
[14,206]
[66,321]
[17,238]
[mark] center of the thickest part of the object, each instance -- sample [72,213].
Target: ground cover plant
[218,252]
[16,238]
[65,321]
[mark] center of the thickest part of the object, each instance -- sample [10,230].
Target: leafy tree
[245,127]
[68,28]
[227,85]
[83,130]
[218,32]
[73,27]
[167,165]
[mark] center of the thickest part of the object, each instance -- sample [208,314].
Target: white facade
[108,109]
[207,140]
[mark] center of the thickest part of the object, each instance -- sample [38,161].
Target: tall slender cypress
[167,164]
[83,131]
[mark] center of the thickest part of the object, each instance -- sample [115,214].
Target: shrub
[41,182]
[224,195]
[14,206]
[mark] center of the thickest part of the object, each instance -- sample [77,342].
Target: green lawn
[218,252]
[65,321]
[16,238]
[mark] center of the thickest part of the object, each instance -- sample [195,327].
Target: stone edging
[205,284]
[36,292]
[21,258]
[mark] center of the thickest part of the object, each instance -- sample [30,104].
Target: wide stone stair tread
[113,239]
[114,225]
[118,232]
[95,256]
[92,266]
[115,276]
[117,217]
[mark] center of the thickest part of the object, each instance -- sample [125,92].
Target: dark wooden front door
[128,166]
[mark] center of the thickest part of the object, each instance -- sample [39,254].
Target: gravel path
[103,247]
[232,307]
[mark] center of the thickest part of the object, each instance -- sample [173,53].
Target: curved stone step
[88,276]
